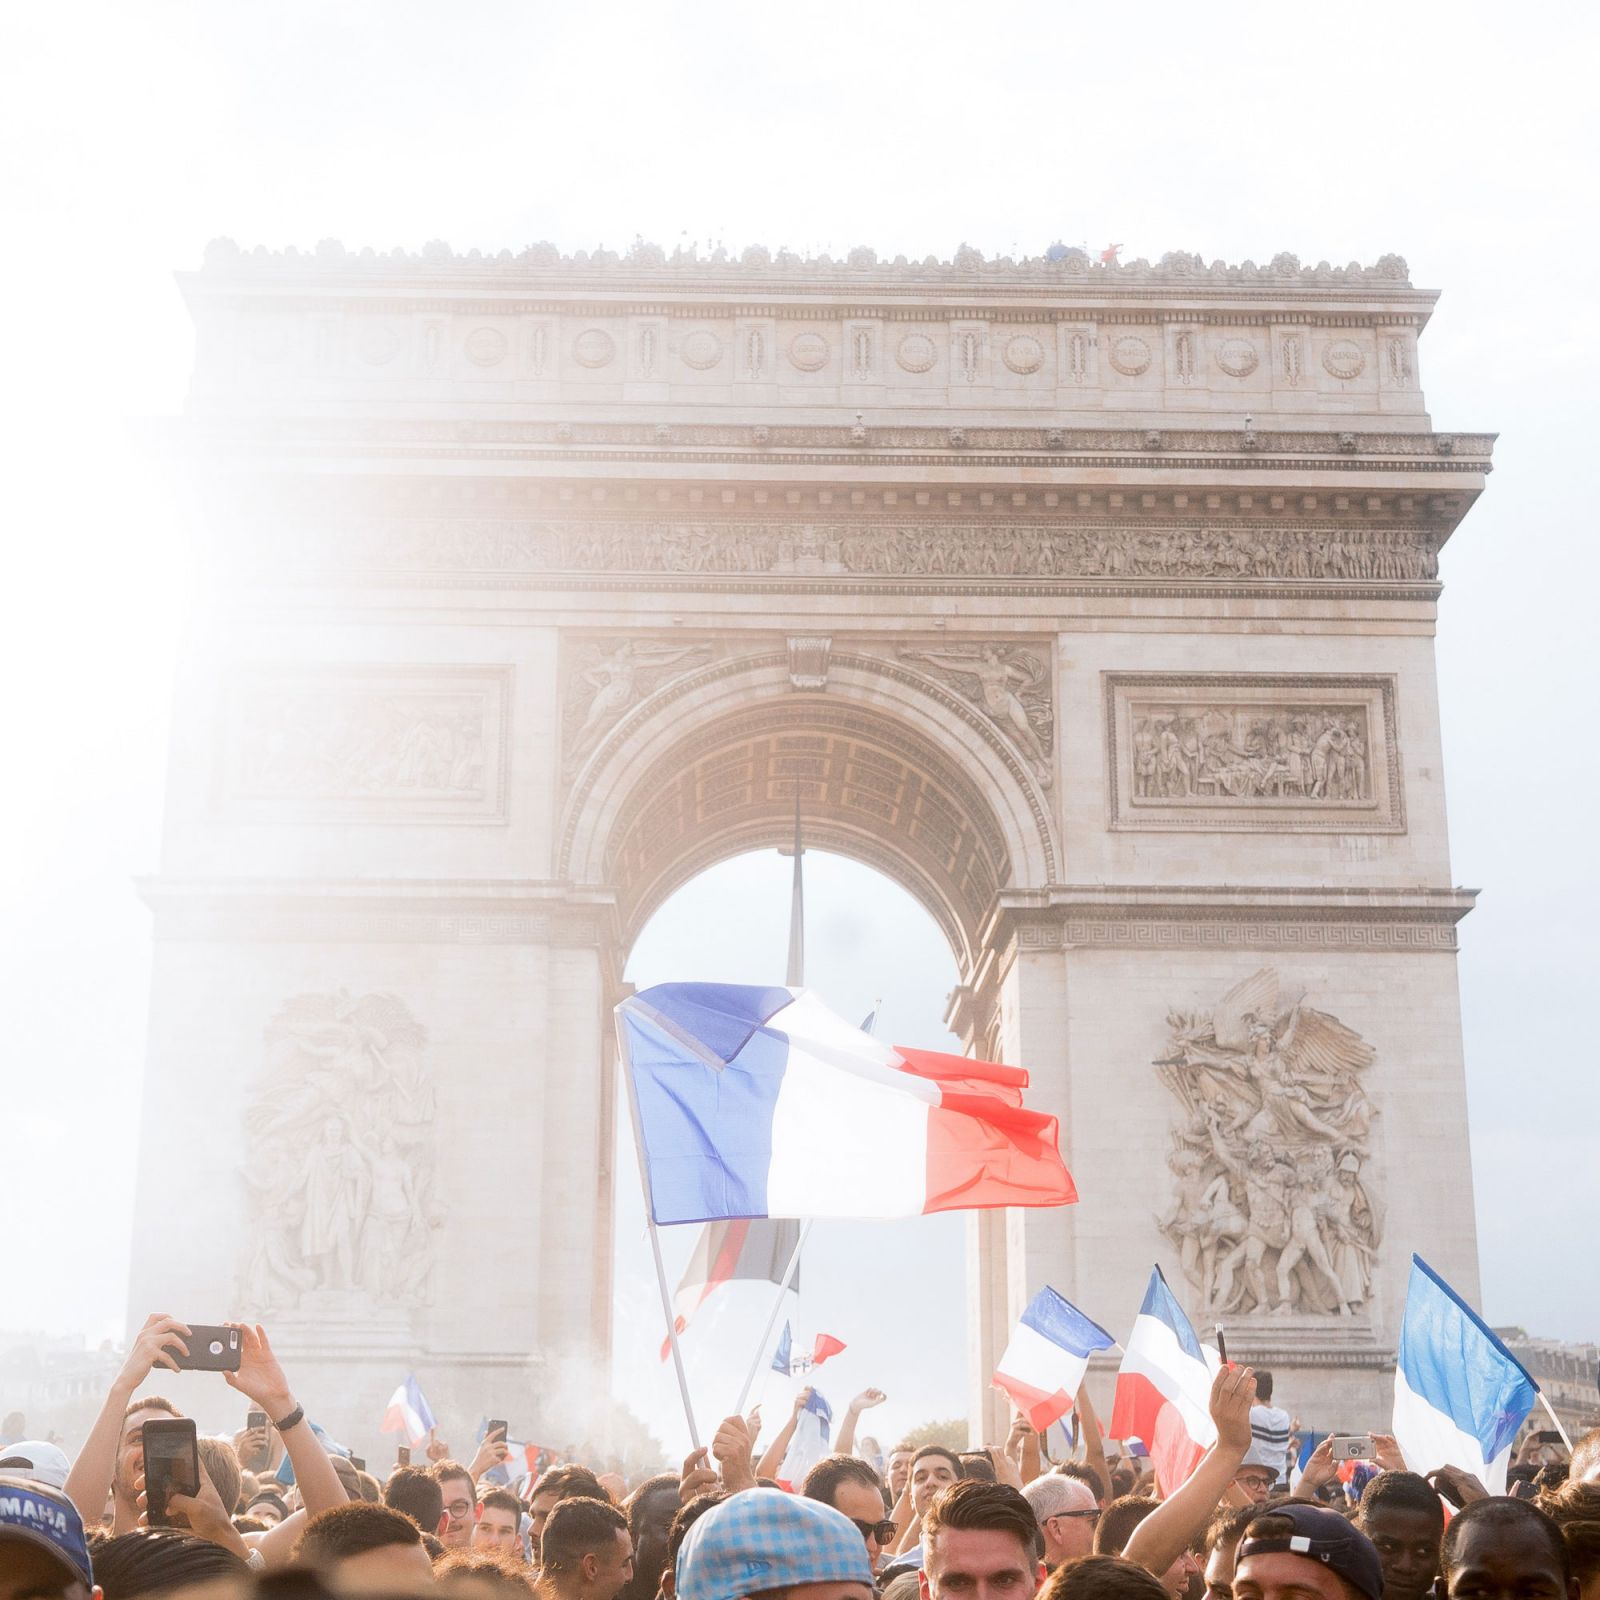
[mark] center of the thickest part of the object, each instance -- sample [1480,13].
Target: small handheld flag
[1459,1394]
[409,1412]
[1043,1365]
[783,1356]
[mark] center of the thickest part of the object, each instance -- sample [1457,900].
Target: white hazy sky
[1462,135]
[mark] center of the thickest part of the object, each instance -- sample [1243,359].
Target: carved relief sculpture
[1272,1211]
[605,680]
[339,1156]
[1010,683]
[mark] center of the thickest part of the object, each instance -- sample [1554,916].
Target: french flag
[760,1102]
[1163,1391]
[1043,1365]
[1459,1394]
[409,1412]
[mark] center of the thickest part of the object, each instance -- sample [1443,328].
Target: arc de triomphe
[1094,604]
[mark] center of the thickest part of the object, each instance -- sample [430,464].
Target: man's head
[1222,1549]
[1085,1475]
[1264,1387]
[43,1552]
[848,1484]
[1303,1552]
[415,1493]
[1401,1514]
[1575,1509]
[363,1549]
[1066,1512]
[1115,1529]
[560,1483]
[897,1468]
[1102,1578]
[173,1566]
[1256,1479]
[586,1552]
[130,1449]
[220,1463]
[650,1510]
[1506,1550]
[460,1500]
[980,1541]
[933,1469]
[1586,1459]
[499,1524]
[679,1531]
[764,1542]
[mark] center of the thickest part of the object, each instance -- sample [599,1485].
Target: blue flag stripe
[1055,1318]
[1159,1303]
[1452,1360]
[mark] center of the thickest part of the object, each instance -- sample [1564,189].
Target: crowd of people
[280,1516]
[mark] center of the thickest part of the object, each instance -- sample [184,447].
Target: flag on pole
[1163,1393]
[753,1248]
[809,1443]
[1043,1365]
[783,1356]
[826,1345]
[1459,1394]
[760,1102]
[409,1412]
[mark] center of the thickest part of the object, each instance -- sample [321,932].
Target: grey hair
[1052,1494]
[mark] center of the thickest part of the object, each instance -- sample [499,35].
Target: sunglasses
[879,1532]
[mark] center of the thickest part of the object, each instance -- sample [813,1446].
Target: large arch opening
[892,1291]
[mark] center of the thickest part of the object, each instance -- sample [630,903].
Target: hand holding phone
[402,1456]
[171,1466]
[1351,1447]
[211,1348]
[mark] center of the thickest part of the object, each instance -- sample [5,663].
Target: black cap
[1322,1536]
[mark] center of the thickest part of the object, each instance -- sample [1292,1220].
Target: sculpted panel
[878,549]
[1010,684]
[605,679]
[1272,1209]
[1308,753]
[379,743]
[339,1156]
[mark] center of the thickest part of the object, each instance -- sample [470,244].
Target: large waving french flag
[1459,1394]
[1044,1364]
[760,1102]
[1163,1391]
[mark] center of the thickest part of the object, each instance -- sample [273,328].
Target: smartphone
[171,1465]
[402,1456]
[1351,1447]
[497,1425]
[211,1349]
[1222,1344]
[1547,1436]
[255,1419]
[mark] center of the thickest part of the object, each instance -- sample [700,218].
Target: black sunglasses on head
[879,1532]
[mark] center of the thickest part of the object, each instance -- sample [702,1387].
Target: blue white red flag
[760,1102]
[1044,1364]
[409,1412]
[809,1444]
[1459,1394]
[1163,1391]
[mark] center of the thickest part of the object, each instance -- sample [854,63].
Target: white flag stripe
[1428,1439]
[1040,1363]
[1153,1352]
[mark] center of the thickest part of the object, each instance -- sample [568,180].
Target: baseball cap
[765,1539]
[36,1459]
[1323,1536]
[38,1514]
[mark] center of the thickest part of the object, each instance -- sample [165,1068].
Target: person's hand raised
[1319,1468]
[696,1477]
[802,1400]
[437,1449]
[732,1446]
[491,1453]
[1457,1485]
[1386,1452]
[867,1399]
[253,1449]
[259,1375]
[206,1516]
[1006,1470]
[153,1347]
[1233,1392]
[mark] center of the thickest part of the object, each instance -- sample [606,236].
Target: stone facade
[1094,604]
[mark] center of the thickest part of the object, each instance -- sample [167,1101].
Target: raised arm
[1171,1528]
[845,1445]
[1094,1447]
[779,1447]
[89,1481]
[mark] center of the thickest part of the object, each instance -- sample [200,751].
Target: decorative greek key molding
[1310,753]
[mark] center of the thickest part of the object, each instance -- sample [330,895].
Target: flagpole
[655,1242]
[772,1321]
[795,977]
[1555,1419]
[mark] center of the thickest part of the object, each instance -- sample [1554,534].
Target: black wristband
[293,1420]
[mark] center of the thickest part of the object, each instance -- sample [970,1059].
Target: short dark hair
[154,1561]
[1504,1514]
[353,1529]
[502,1574]
[1263,1385]
[441,1470]
[1102,1578]
[938,1450]
[1122,1481]
[687,1517]
[1401,1491]
[1085,1474]
[579,1526]
[1227,1526]
[1117,1522]
[975,1464]
[415,1493]
[823,1480]
[634,1505]
[571,1482]
[501,1500]
[371,1489]
[150,1402]
[992,1507]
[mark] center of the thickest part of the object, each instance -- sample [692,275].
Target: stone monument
[1094,603]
